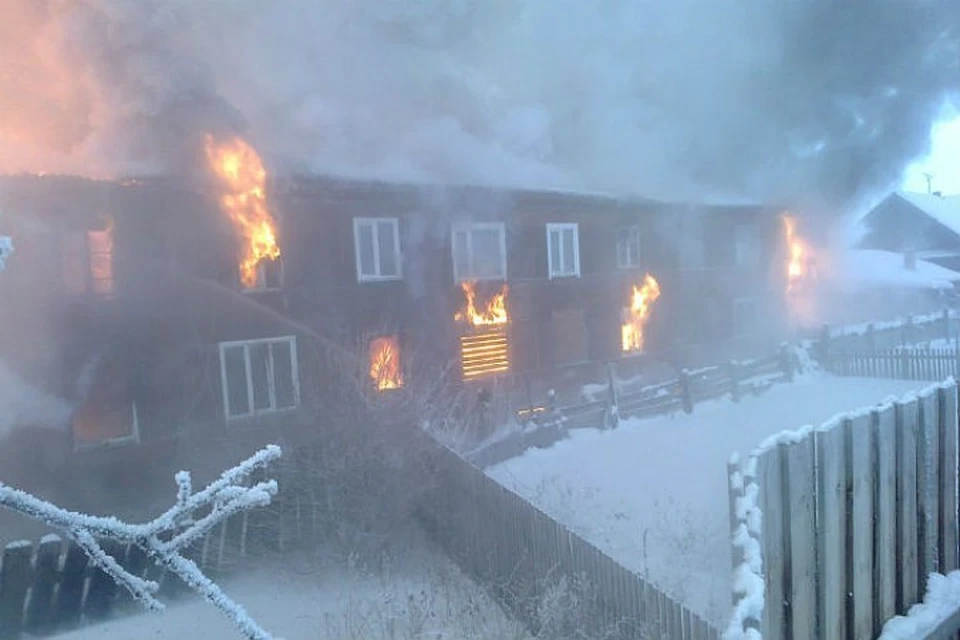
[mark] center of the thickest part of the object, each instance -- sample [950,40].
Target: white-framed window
[746,252]
[479,251]
[563,250]
[629,246]
[376,244]
[269,276]
[259,376]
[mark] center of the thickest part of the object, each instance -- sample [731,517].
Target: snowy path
[653,493]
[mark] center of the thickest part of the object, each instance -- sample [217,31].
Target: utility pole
[929,178]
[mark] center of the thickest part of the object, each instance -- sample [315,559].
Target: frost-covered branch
[6,248]
[226,497]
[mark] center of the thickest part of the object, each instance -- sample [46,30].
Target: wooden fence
[856,514]
[50,586]
[505,542]
[683,393]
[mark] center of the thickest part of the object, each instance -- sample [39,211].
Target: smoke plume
[754,98]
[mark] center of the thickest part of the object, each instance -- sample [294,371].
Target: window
[259,376]
[269,276]
[745,246]
[563,250]
[628,248]
[86,262]
[108,415]
[377,246]
[479,251]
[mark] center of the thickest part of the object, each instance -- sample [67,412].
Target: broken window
[377,245]
[86,262]
[479,251]
[259,376]
[107,414]
[563,250]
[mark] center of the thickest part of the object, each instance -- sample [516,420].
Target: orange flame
[641,304]
[799,253]
[385,368]
[244,200]
[494,314]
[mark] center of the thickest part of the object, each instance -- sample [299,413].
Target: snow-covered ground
[423,596]
[653,493]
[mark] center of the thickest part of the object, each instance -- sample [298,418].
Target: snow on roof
[869,268]
[943,209]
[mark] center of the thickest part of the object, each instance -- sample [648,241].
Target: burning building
[637,314]
[485,347]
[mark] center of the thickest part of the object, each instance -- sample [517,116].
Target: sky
[943,162]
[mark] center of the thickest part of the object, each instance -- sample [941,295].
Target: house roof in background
[943,209]
[871,268]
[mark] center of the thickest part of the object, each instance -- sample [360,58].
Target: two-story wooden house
[128,303]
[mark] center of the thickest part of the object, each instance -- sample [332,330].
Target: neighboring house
[926,224]
[130,305]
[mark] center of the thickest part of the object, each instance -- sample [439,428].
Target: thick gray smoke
[758,98]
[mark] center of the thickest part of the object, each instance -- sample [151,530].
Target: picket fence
[507,543]
[855,515]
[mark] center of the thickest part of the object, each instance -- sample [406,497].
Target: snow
[866,269]
[863,327]
[940,602]
[422,595]
[652,494]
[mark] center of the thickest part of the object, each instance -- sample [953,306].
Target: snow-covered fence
[835,342]
[856,514]
[682,393]
[903,364]
[522,553]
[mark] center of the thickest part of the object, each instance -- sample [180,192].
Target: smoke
[817,99]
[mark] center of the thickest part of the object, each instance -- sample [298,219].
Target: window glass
[283,375]
[238,402]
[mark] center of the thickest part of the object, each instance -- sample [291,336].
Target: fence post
[904,363]
[686,394]
[871,338]
[786,362]
[613,409]
[733,370]
[825,348]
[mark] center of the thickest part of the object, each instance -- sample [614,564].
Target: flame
[244,200]
[641,304]
[494,314]
[798,253]
[385,368]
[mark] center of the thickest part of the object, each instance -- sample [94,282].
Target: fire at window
[485,350]
[637,315]
[386,371]
[243,179]
[799,255]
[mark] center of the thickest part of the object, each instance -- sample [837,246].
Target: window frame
[745,240]
[468,228]
[374,224]
[261,285]
[252,411]
[560,227]
[634,236]
[132,438]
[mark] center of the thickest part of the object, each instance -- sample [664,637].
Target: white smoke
[764,98]
[22,405]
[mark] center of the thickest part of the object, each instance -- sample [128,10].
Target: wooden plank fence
[856,514]
[505,542]
[50,586]
[683,393]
